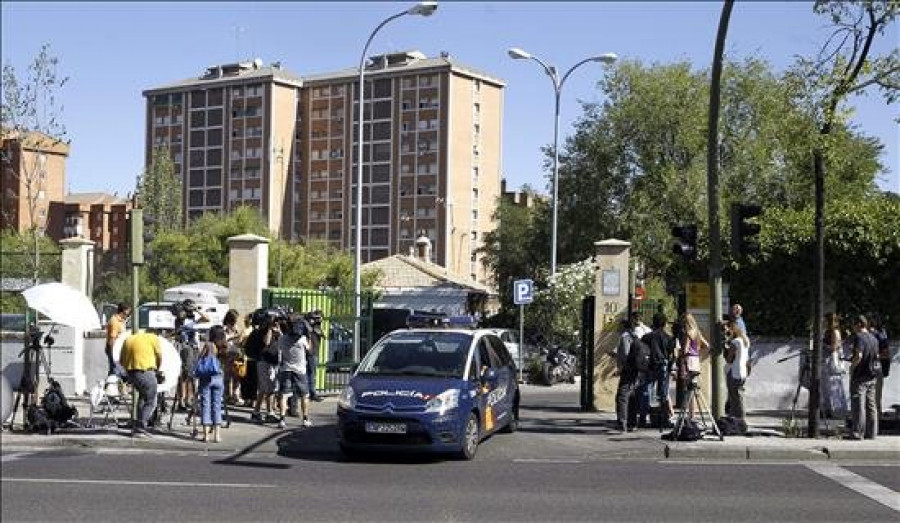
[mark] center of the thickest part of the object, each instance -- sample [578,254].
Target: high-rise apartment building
[432,151]
[33,175]
[230,133]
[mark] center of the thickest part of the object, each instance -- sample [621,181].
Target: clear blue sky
[112,51]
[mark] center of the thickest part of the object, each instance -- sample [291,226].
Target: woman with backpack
[210,377]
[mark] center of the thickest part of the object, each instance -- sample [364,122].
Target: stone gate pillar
[67,354]
[248,271]
[612,262]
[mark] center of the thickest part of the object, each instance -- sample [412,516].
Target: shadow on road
[319,443]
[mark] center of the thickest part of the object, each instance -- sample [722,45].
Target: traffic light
[136,236]
[744,241]
[685,241]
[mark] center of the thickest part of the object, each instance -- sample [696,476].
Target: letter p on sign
[523,292]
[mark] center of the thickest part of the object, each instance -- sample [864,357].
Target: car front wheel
[471,438]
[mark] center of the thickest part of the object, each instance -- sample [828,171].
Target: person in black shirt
[662,350]
[865,369]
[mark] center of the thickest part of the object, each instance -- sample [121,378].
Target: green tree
[159,191]
[846,65]
[637,164]
[518,248]
[18,261]
[31,113]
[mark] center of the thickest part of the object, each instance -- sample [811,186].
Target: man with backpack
[865,369]
[634,365]
[662,351]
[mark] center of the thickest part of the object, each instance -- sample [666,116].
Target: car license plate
[385,428]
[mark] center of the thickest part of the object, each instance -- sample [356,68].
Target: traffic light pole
[715,240]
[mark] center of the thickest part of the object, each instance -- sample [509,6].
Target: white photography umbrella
[63,305]
[171,361]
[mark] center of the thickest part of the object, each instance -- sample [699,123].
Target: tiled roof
[405,271]
[91,198]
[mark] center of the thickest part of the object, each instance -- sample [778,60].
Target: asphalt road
[505,483]
[80,486]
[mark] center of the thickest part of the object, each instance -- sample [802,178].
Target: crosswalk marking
[853,481]
[6,458]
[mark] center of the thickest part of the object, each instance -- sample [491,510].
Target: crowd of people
[649,359]
[269,362]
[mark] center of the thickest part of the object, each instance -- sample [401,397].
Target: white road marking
[853,481]
[134,483]
[6,458]
[560,461]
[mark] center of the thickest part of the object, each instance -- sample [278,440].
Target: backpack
[690,431]
[207,367]
[639,356]
[38,420]
[55,404]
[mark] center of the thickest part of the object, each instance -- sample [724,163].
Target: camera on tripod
[185,309]
[276,314]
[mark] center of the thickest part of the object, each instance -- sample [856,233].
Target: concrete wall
[93,362]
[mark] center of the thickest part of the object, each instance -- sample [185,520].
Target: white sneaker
[306,422]
[282,424]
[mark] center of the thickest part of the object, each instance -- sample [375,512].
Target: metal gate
[335,352]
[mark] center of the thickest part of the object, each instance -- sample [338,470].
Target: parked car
[510,338]
[429,389]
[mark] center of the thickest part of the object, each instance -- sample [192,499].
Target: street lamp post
[519,54]
[421,9]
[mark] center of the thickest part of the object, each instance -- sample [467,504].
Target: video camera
[184,309]
[276,314]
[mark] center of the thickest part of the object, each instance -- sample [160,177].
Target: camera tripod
[33,361]
[803,382]
[695,394]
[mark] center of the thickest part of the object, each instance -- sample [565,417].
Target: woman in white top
[833,392]
[737,352]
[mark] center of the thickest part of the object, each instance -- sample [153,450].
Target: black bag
[38,420]
[729,426]
[690,431]
[270,354]
[55,404]
[639,356]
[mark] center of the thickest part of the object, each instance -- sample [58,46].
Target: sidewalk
[586,434]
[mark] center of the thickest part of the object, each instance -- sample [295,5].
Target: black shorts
[290,382]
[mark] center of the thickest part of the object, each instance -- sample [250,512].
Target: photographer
[316,336]
[141,358]
[186,319]
[292,376]
[261,348]
[114,328]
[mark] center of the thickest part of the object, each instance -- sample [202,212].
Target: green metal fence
[335,352]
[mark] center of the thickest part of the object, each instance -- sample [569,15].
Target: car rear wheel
[471,438]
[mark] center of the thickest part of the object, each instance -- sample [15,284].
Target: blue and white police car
[430,389]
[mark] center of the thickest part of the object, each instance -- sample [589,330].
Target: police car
[429,389]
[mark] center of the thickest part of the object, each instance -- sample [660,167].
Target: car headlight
[443,402]
[347,399]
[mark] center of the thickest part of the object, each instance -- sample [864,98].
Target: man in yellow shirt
[141,357]
[114,329]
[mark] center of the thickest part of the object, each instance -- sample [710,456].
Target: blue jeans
[312,363]
[662,383]
[642,397]
[211,392]
[144,382]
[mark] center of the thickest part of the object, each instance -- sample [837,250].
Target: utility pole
[715,241]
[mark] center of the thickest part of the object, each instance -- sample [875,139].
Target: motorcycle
[557,365]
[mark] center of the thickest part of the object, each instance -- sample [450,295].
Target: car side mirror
[489,375]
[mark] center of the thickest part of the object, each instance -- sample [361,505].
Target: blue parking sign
[523,292]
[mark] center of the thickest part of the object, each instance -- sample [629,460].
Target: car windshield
[441,354]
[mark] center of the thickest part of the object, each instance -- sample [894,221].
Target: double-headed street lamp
[519,54]
[422,9]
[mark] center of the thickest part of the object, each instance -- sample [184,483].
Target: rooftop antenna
[237,42]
